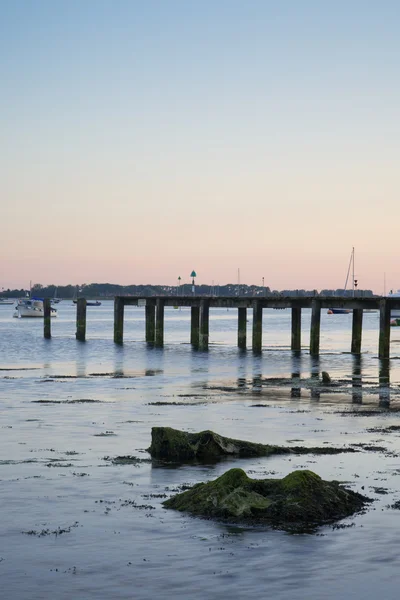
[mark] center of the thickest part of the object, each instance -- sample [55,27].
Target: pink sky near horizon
[139,144]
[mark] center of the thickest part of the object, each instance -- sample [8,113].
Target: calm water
[74,525]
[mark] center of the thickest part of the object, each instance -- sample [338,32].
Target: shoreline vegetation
[110,290]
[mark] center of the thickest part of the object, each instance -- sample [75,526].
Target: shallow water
[77,525]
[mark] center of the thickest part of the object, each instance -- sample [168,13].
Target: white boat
[6,301]
[32,308]
[394,314]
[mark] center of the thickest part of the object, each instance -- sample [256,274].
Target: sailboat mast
[353,271]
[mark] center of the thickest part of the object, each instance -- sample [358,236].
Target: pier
[200,307]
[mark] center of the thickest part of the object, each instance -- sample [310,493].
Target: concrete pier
[195,326]
[204,323]
[384,329]
[200,306]
[356,331]
[159,336]
[119,320]
[257,325]
[150,315]
[315,327]
[47,318]
[242,328]
[81,319]
[296,329]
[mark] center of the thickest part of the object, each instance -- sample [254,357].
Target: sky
[142,140]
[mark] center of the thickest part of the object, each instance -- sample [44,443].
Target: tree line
[109,290]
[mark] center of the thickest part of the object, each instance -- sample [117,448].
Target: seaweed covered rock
[171,444]
[301,501]
[175,445]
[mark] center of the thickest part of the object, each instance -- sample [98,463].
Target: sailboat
[345,311]
[88,302]
[55,300]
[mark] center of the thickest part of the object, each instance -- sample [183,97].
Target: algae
[181,446]
[299,502]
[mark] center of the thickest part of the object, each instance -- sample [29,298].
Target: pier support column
[159,336]
[242,327]
[204,324]
[150,313]
[315,327]
[257,326]
[81,319]
[296,329]
[47,318]
[384,330]
[356,331]
[194,326]
[118,320]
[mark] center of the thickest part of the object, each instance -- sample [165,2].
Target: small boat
[345,311]
[395,322]
[31,308]
[90,302]
[6,301]
[55,300]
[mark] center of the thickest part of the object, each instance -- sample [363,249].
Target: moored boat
[31,308]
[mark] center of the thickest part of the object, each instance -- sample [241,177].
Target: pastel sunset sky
[143,139]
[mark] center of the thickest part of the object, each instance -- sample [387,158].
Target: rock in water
[326,378]
[180,446]
[301,501]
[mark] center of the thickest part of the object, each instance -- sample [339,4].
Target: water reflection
[315,370]
[356,379]
[295,391]
[384,382]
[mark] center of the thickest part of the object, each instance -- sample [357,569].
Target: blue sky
[167,136]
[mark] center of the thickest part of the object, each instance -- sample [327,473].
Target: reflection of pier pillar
[150,313]
[356,380]
[384,330]
[159,335]
[296,328]
[194,326]
[118,320]
[356,331]
[315,327]
[257,326]
[204,324]
[47,318]
[81,319]
[384,382]
[242,327]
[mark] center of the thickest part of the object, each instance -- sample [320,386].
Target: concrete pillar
[356,331]
[195,326]
[81,319]
[296,329]
[242,327]
[204,323]
[150,313]
[47,318]
[257,326]
[159,336]
[384,330]
[118,320]
[315,327]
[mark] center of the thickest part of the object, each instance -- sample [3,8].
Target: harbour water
[76,525]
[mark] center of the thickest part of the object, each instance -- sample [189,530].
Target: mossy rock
[300,502]
[180,446]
